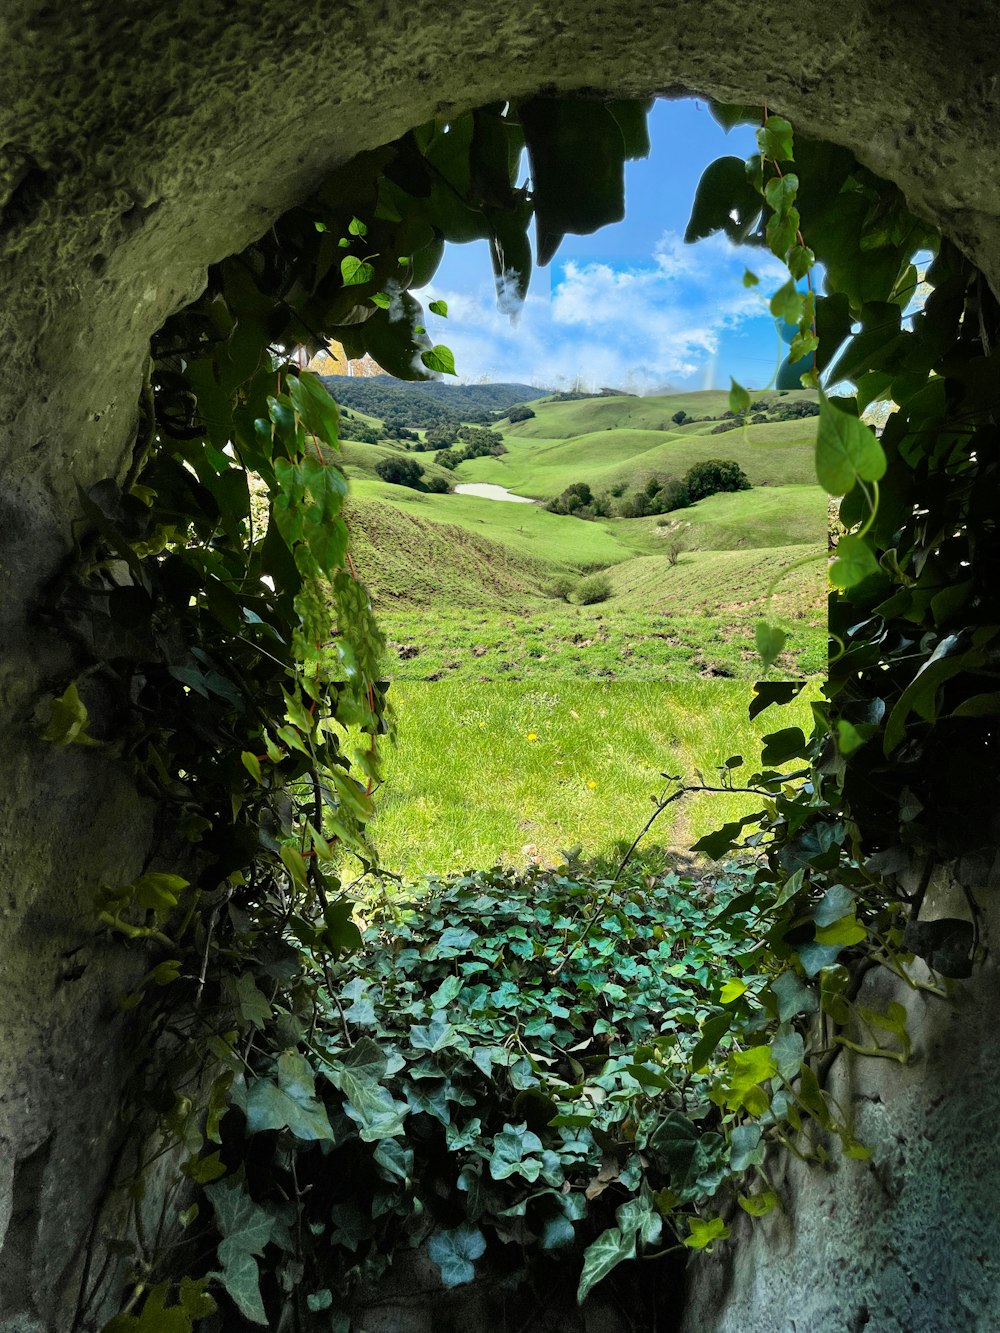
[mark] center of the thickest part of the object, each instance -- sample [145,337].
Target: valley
[469,587]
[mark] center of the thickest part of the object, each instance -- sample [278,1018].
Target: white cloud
[641,326]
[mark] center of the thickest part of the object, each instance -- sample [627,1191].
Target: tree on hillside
[520,413]
[714,475]
[400,472]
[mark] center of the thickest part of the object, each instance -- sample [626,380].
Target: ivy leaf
[722,191]
[290,1103]
[600,1258]
[357,228]
[556,1232]
[355,272]
[787,302]
[246,1228]
[440,359]
[382,299]
[836,903]
[67,720]
[511,1153]
[439,308]
[750,279]
[793,996]
[739,398]
[846,449]
[774,139]
[770,640]
[705,1232]
[758,1205]
[788,1050]
[455,1252]
[746,1147]
[780,747]
[855,561]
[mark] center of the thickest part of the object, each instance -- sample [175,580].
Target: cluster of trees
[657,495]
[407,472]
[521,412]
[477,442]
[422,406]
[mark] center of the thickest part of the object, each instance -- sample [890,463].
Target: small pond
[486,491]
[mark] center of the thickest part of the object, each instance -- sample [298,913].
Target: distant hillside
[406,559]
[423,404]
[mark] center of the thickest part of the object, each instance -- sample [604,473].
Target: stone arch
[140,144]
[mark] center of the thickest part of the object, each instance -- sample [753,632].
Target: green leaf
[158,892]
[787,302]
[731,991]
[576,152]
[290,1104]
[246,1228]
[793,996]
[704,1232]
[439,308]
[746,1147]
[252,765]
[770,640]
[855,561]
[355,272]
[455,1252]
[843,933]
[788,1050]
[846,450]
[381,299]
[440,359]
[357,228]
[557,1232]
[251,1004]
[512,1149]
[712,1032]
[774,139]
[601,1257]
[319,1300]
[780,747]
[836,903]
[67,720]
[722,191]
[758,1205]
[780,193]
[750,279]
[739,398]
[318,411]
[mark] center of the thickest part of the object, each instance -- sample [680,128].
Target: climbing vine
[228,654]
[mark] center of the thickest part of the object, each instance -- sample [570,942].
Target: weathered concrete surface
[140,143]
[904,1243]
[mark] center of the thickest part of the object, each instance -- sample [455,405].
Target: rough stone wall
[138,144]
[903,1243]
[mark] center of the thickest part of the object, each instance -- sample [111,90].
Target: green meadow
[486,773]
[469,588]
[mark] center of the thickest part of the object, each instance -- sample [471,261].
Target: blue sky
[630,306]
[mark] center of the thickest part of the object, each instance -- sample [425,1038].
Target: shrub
[674,550]
[437,486]
[561,587]
[679,418]
[715,475]
[472,1062]
[520,413]
[594,588]
[673,494]
[400,472]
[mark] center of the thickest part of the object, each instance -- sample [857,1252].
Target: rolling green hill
[469,588]
[407,559]
[778,454]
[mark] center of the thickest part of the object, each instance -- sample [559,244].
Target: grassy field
[462,584]
[486,773]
